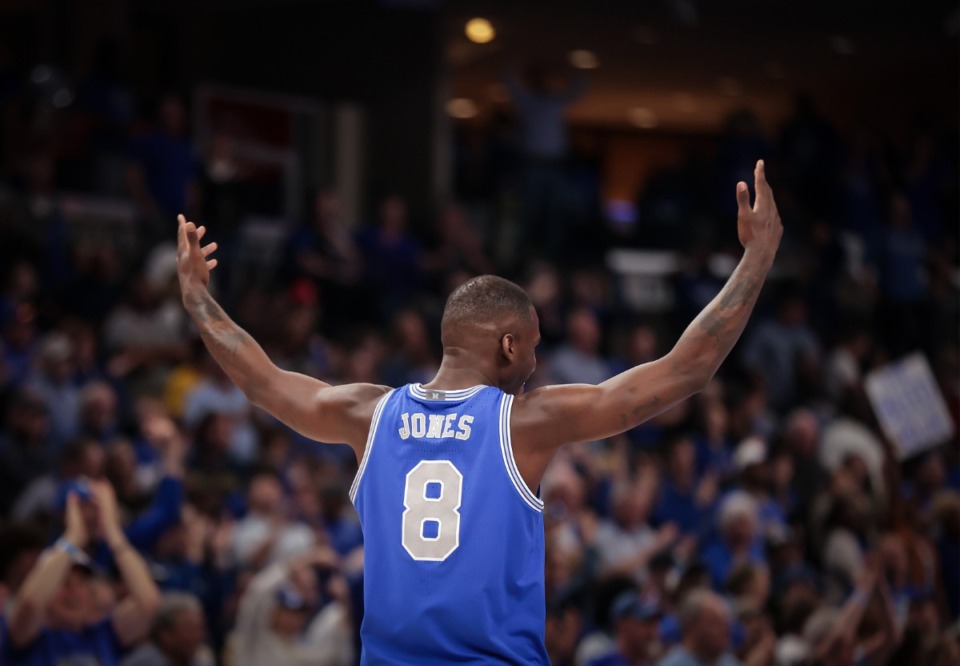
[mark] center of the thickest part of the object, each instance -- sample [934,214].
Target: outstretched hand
[193,264]
[759,225]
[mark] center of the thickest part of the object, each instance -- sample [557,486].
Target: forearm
[238,354]
[44,580]
[134,572]
[710,337]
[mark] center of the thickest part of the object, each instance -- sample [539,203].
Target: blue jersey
[453,537]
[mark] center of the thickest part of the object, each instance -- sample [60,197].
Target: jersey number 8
[431,521]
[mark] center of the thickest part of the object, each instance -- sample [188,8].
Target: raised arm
[28,616]
[550,417]
[315,409]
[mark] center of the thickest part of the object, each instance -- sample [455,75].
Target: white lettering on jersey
[440,426]
[464,426]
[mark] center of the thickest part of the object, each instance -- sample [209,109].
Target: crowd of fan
[765,521]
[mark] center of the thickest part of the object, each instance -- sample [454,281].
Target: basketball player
[449,471]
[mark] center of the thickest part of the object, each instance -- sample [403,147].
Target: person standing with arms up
[449,470]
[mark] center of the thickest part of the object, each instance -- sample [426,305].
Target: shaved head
[484,301]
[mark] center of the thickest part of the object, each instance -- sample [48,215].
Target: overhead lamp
[480,31]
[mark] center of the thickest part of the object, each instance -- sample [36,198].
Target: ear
[508,346]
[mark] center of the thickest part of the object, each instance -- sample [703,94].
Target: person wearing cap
[276,626]
[52,620]
[636,623]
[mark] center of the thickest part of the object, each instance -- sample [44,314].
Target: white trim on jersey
[417,391]
[369,446]
[506,448]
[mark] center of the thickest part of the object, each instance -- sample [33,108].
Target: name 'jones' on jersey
[435,426]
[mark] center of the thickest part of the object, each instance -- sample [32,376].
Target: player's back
[453,538]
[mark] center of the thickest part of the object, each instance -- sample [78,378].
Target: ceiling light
[480,31]
[462,108]
[583,59]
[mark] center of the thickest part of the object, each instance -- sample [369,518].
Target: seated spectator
[53,382]
[706,627]
[392,257]
[177,636]
[215,393]
[738,541]
[579,359]
[40,500]
[24,446]
[54,619]
[755,477]
[99,417]
[145,335]
[274,623]
[265,535]
[783,352]
[684,499]
[636,623]
[626,542]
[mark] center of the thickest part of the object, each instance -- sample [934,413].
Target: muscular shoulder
[358,400]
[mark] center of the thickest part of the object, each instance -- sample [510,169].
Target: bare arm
[27,618]
[311,407]
[545,419]
[132,616]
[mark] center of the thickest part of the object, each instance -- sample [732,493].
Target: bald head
[481,302]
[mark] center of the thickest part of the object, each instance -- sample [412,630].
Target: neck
[461,369]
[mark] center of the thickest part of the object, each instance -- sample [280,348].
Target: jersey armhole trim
[506,448]
[368,448]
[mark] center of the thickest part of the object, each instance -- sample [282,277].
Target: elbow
[694,373]
[150,602]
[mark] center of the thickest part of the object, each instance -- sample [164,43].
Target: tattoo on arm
[229,344]
[718,327]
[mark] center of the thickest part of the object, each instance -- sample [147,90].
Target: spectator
[393,259]
[53,613]
[706,625]
[739,540]
[626,543]
[145,335]
[784,353]
[163,167]
[53,381]
[684,499]
[636,623]
[265,535]
[24,446]
[99,419]
[579,360]
[272,627]
[39,500]
[177,635]
[543,145]
[216,394]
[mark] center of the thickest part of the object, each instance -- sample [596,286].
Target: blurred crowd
[766,521]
